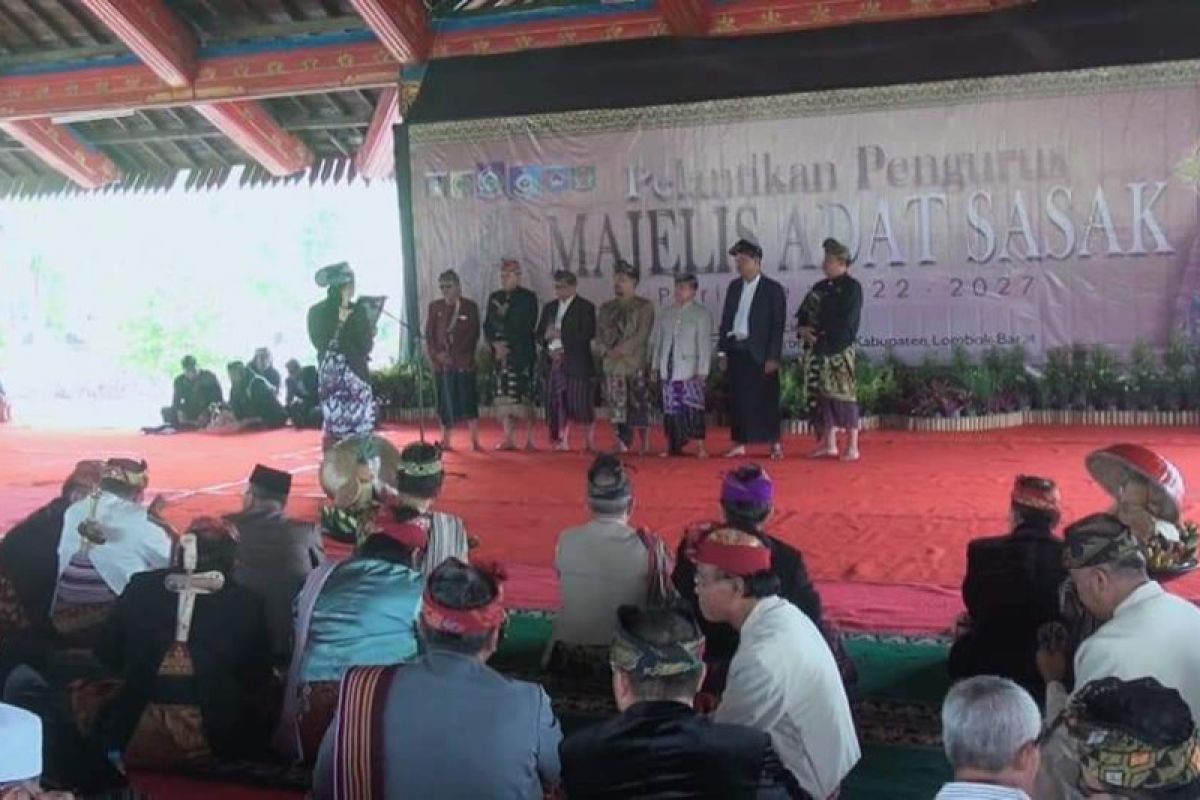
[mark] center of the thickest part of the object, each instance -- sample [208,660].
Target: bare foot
[701,453]
[562,447]
[776,452]
[506,446]
[622,447]
[821,452]
[850,455]
[736,452]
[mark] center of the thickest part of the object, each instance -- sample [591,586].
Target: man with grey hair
[990,727]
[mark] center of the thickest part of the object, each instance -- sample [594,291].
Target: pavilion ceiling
[125,94]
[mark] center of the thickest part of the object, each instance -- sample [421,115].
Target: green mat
[901,683]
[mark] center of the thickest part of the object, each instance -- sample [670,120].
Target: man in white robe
[783,679]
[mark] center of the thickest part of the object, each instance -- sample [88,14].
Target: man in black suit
[1012,589]
[751,349]
[566,331]
[659,746]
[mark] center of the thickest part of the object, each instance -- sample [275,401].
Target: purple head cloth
[758,491]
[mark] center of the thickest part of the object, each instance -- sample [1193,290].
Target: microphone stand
[419,337]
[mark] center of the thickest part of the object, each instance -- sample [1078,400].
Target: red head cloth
[1040,494]
[87,474]
[734,552]
[213,529]
[465,621]
[412,533]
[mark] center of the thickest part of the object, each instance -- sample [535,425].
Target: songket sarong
[683,411]
[832,390]
[170,732]
[629,400]
[82,603]
[359,752]
[514,388]
[568,400]
[347,402]
[457,396]
[318,705]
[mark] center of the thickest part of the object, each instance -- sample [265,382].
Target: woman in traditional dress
[828,322]
[342,332]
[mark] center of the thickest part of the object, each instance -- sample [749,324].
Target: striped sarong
[359,758]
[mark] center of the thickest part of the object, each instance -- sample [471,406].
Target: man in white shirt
[783,679]
[990,727]
[750,344]
[1146,633]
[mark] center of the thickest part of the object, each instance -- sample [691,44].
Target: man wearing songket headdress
[680,356]
[1012,589]
[29,555]
[783,679]
[623,335]
[1134,739]
[659,746]
[107,538]
[361,612]
[444,725]
[828,321]
[419,480]
[747,500]
[1145,631]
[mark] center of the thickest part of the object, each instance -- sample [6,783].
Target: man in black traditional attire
[509,327]
[566,331]
[751,349]
[303,402]
[252,399]
[195,391]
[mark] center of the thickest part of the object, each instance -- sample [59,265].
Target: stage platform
[885,537]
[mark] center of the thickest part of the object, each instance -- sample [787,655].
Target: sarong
[82,602]
[568,400]
[753,400]
[170,732]
[359,756]
[514,388]
[347,402]
[832,390]
[287,739]
[318,704]
[457,396]
[447,539]
[629,400]
[683,410]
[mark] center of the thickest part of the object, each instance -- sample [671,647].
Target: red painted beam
[686,17]
[375,158]
[365,65]
[251,128]
[551,33]
[64,151]
[154,34]
[745,17]
[401,25]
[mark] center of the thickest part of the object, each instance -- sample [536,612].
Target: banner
[1040,210]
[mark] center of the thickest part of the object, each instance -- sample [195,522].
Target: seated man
[1012,589]
[195,391]
[601,566]
[253,400]
[264,366]
[783,679]
[747,502]
[419,481]
[1133,739]
[276,553]
[107,538]
[1146,633]
[364,614]
[659,747]
[190,646]
[445,725]
[303,405]
[29,555]
[990,727]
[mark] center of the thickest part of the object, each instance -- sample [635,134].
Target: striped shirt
[979,791]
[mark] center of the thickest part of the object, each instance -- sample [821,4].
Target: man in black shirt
[195,391]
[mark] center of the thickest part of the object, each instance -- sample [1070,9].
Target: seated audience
[107,538]
[419,481]
[1146,633]
[276,553]
[252,399]
[1011,589]
[783,679]
[1133,739]
[29,555]
[303,404]
[747,502]
[196,390]
[5,406]
[659,747]
[445,725]
[990,727]
[264,366]
[188,632]
[364,614]
[602,566]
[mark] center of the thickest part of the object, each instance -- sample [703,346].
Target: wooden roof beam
[686,17]
[250,127]
[375,158]
[63,151]
[154,34]
[402,26]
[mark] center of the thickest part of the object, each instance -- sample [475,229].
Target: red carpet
[886,537]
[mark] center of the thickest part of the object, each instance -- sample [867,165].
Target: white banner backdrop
[1041,209]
